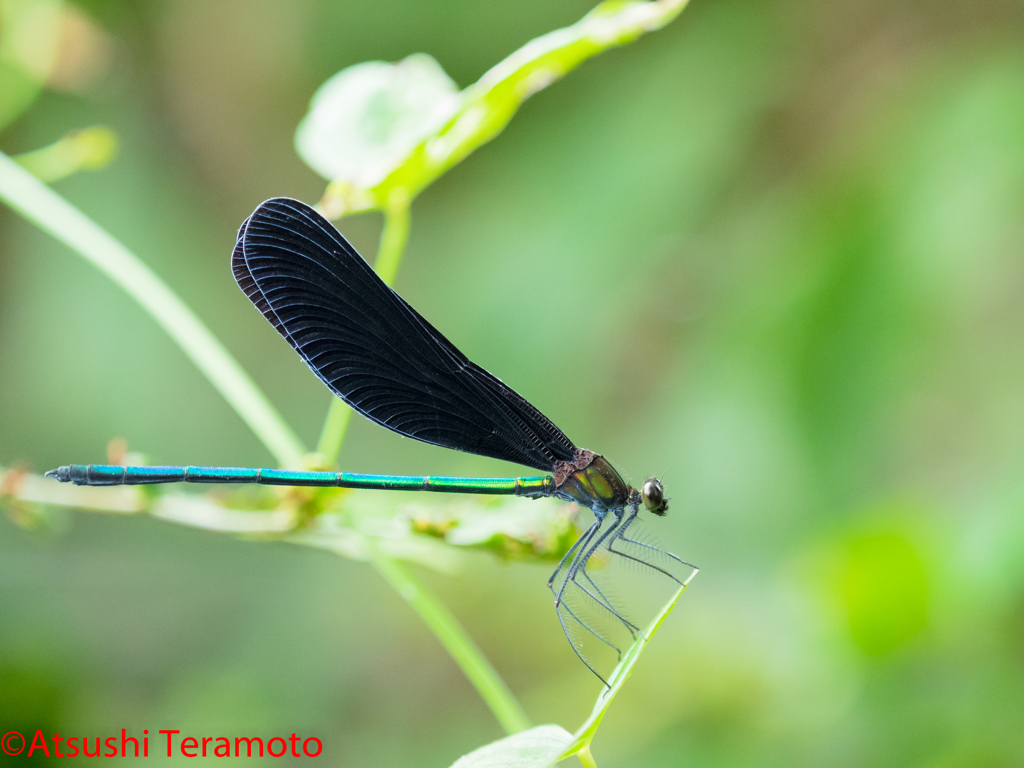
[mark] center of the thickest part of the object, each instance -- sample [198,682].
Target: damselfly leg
[586,611]
[644,552]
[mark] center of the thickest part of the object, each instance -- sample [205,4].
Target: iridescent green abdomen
[106,474]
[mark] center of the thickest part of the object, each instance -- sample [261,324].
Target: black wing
[375,351]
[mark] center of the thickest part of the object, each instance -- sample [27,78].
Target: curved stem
[586,758]
[52,213]
[83,150]
[459,645]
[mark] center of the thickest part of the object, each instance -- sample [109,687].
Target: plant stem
[393,239]
[333,433]
[459,645]
[86,149]
[586,758]
[52,213]
[389,257]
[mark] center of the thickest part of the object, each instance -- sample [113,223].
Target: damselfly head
[653,495]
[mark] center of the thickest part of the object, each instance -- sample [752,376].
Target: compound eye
[653,495]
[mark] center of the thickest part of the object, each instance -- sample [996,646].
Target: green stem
[389,257]
[333,433]
[459,645]
[393,239]
[586,758]
[88,149]
[52,213]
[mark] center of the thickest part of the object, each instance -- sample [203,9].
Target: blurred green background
[774,251]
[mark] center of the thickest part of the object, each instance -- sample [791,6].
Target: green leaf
[377,103]
[536,748]
[365,120]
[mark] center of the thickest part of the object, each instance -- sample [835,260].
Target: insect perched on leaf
[381,357]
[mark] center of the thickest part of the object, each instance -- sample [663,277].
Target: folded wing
[375,351]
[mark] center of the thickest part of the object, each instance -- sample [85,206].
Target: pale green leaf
[475,116]
[366,119]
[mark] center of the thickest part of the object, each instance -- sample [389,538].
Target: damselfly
[381,357]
